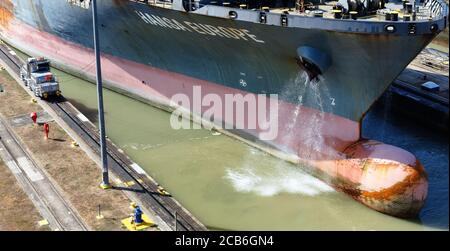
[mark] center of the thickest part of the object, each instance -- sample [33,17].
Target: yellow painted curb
[43,222]
[129,183]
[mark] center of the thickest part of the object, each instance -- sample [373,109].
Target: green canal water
[226,184]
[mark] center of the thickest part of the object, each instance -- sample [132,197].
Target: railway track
[42,192]
[166,207]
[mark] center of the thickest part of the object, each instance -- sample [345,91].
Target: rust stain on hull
[6,12]
[403,199]
[382,177]
[398,188]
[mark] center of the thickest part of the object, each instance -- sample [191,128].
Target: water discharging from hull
[313,92]
[280,179]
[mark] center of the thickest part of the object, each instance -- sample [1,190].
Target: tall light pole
[101,118]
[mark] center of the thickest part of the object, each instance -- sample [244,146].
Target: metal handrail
[434,9]
[437,8]
[83,4]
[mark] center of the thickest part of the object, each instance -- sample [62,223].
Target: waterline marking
[230,111]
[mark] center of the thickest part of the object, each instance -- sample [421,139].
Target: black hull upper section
[243,55]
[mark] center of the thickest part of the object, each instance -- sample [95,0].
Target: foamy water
[143,147]
[281,178]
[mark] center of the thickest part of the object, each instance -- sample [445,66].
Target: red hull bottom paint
[383,177]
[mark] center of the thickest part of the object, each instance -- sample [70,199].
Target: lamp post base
[105,186]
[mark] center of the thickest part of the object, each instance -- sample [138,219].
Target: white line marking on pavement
[29,170]
[137,168]
[12,53]
[82,117]
[13,167]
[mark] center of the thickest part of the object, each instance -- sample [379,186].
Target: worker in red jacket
[33,117]
[46,130]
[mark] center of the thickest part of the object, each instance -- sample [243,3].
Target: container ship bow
[328,62]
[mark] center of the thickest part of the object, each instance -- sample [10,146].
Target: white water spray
[277,179]
[310,92]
